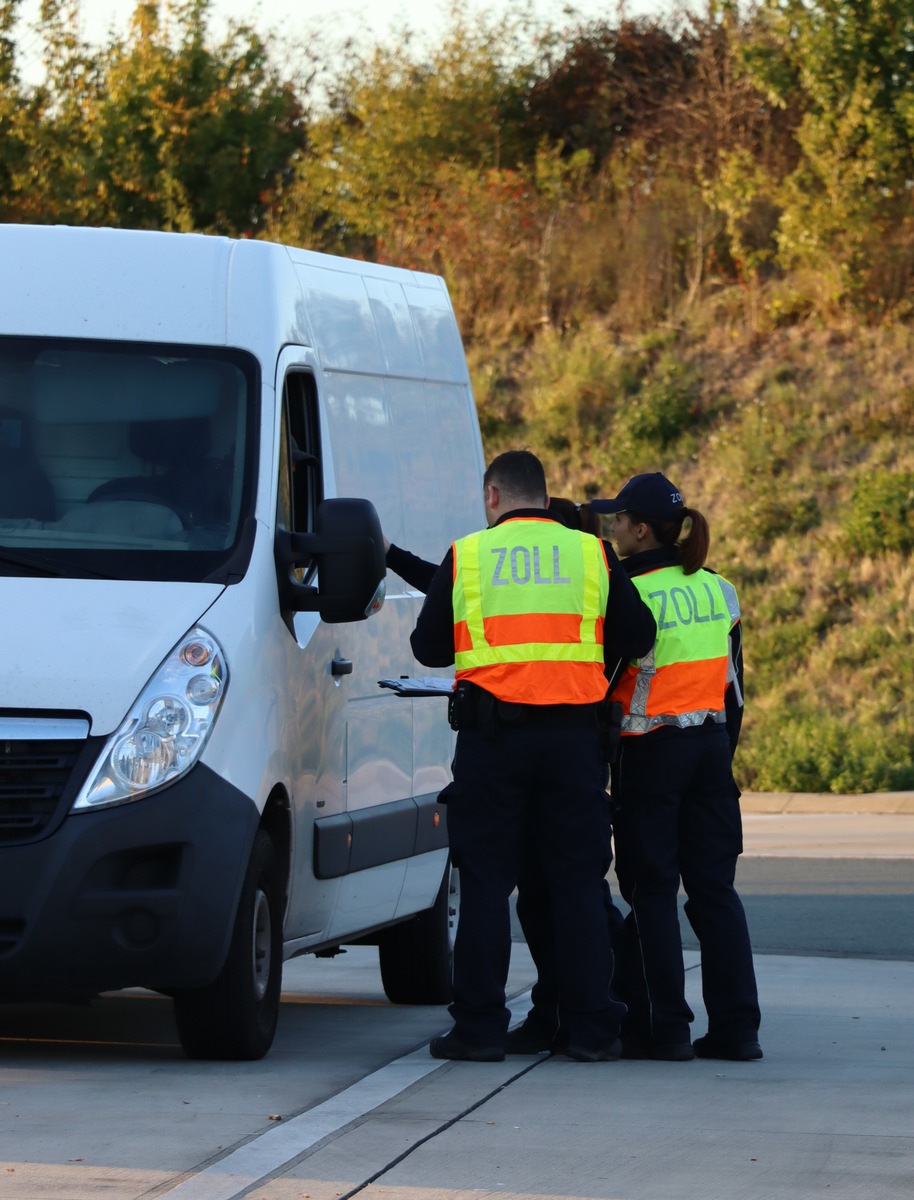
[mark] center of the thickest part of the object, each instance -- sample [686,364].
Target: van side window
[300,479]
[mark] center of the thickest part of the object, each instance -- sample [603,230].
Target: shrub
[773,648]
[881,516]
[810,751]
[666,406]
[766,518]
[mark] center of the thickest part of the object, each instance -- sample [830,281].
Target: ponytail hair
[693,548]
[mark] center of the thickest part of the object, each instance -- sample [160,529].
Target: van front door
[314,745]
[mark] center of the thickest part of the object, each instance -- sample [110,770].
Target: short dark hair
[519,472]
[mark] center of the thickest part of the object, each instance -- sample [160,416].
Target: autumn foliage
[682,244]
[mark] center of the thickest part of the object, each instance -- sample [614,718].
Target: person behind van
[575,515]
[525,610]
[676,804]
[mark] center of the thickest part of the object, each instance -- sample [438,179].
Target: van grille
[33,776]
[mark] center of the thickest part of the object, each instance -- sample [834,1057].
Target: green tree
[191,136]
[16,131]
[850,63]
[158,129]
[53,154]
[397,122]
[721,135]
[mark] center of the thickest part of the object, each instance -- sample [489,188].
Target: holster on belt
[467,706]
[457,715]
[472,707]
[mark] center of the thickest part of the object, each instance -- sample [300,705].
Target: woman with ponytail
[676,804]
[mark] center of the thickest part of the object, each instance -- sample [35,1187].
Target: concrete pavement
[828,835]
[827,802]
[829,1111]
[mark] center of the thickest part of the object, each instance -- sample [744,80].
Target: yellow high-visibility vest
[682,681]
[529,606]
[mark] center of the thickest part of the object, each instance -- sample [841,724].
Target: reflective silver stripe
[730,599]
[735,641]
[647,669]
[637,720]
[644,724]
[28,729]
[732,680]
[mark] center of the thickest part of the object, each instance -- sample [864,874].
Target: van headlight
[165,731]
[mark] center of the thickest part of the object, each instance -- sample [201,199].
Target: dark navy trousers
[676,816]
[534,912]
[534,787]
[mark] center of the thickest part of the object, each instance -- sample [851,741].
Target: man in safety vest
[529,611]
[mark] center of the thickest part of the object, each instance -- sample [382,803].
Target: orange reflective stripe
[689,687]
[540,683]
[513,629]
[678,688]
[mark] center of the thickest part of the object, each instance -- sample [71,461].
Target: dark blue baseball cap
[650,495]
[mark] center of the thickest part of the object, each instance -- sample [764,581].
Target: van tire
[417,956]
[235,1016]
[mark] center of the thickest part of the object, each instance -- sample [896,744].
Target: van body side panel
[311,755]
[433,745]
[412,447]
[428,487]
[402,427]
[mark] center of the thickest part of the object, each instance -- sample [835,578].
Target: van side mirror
[347,546]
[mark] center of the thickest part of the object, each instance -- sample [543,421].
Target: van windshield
[126,461]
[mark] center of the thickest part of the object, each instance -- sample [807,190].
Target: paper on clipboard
[428,685]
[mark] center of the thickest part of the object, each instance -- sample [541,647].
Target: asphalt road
[834,907]
[845,907]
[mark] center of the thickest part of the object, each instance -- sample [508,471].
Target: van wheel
[417,956]
[235,1016]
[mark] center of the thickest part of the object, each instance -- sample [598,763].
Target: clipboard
[428,685]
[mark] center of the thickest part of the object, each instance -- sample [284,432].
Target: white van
[200,442]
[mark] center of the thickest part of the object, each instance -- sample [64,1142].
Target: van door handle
[341,666]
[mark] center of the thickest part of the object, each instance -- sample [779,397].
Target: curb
[826,802]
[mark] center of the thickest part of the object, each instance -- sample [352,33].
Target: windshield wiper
[38,564]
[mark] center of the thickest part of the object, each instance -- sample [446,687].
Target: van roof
[187,288]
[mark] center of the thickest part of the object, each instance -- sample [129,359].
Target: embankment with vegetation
[683,244]
[799,447]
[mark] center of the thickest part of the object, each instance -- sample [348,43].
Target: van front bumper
[140,895]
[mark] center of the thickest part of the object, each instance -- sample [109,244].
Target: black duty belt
[472,707]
